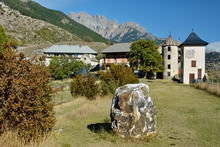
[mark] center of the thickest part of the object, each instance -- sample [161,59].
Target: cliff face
[112,30]
[29,30]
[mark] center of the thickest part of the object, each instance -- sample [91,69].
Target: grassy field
[185,117]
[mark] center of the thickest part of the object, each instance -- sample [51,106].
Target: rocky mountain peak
[111,29]
[136,26]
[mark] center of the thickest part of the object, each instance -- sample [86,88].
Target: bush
[26,106]
[116,76]
[84,86]
[88,39]
[107,88]
[63,67]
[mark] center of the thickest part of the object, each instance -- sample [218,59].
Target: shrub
[84,86]
[26,106]
[88,39]
[116,76]
[107,88]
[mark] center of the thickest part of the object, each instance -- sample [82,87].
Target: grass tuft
[211,88]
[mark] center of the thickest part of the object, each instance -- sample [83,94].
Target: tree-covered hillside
[213,65]
[57,18]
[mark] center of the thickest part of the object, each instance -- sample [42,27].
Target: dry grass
[10,139]
[211,88]
[185,117]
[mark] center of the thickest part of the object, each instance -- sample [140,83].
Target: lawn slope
[186,117]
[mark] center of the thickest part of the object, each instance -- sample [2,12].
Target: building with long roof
[83,53]
[117,54]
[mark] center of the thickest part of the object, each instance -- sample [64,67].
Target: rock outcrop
[133,113]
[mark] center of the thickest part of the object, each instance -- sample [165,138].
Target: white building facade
[170,53]
[184,61]
[83,53]
[193,59]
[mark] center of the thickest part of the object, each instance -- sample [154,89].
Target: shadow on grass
[100,127]
[104,131]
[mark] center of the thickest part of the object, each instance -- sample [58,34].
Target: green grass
[62,92]
[185,117]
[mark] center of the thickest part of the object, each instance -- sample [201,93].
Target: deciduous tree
[144,56]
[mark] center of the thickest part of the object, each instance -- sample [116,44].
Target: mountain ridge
[111,29]
[31,31]
[57,18]
[213,64]
[214,47]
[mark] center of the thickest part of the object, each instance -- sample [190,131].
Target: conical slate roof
[170,42]
[194,40]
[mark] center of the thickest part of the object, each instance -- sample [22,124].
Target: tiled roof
[170,42]
[70,49]
[194,40]
[118,48]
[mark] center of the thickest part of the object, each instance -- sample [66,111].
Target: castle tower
[170,55]
[193,58]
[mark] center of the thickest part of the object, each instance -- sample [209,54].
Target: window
[200,74]
[169,48]
[168,74]
[193,63]
[169,57]
[168,66]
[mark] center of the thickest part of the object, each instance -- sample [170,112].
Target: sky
[159,17]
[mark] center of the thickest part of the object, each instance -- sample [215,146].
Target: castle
[184,61]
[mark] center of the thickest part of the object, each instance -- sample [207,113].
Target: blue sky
[159,17]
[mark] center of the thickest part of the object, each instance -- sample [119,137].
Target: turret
[170,55]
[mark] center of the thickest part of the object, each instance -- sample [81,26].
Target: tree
[63,67]
[144,56]
[99,57]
